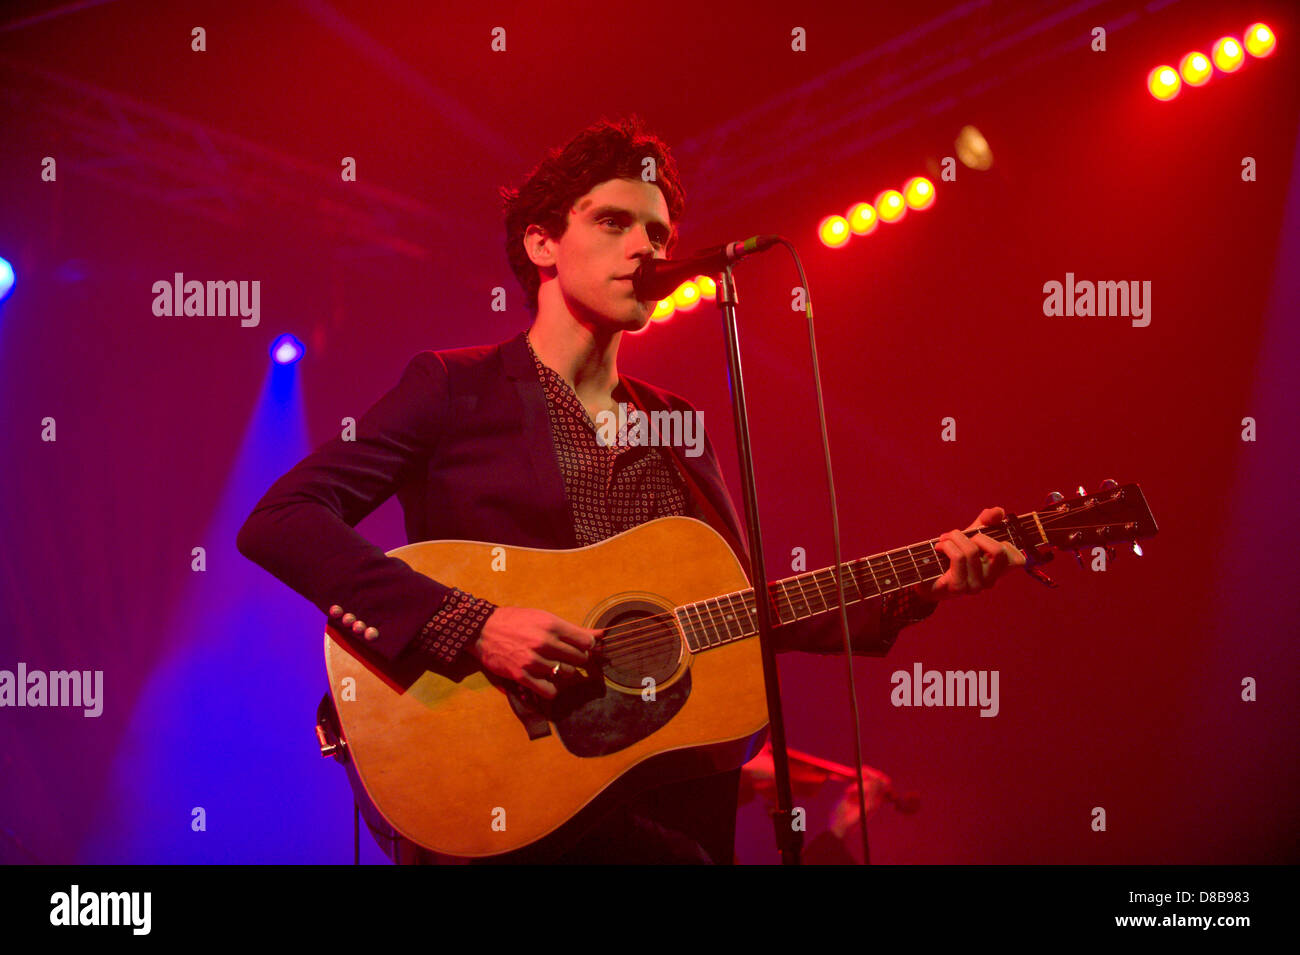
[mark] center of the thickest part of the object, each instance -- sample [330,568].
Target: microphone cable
[839,563]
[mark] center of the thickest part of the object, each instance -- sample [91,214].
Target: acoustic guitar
[468,765]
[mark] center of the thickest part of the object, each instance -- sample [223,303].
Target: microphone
[656,278]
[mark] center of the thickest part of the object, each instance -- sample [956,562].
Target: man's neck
[585,357]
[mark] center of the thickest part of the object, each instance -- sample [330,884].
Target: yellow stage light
[1195,69]
[1163,82]
[1259,40]
[833,231]
[919,193]
[686,296]
[862,218]
[1228,54]
[890,205]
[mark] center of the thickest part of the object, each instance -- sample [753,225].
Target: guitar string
[781,600]
[779,594]
[654,628]
[625,639]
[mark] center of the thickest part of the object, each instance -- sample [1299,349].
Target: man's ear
[539,249]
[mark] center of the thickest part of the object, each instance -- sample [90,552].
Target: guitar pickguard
[595,720]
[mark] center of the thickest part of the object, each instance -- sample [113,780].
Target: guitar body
[450,764]
[466,767]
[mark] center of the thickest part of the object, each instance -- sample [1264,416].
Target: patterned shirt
[611,488]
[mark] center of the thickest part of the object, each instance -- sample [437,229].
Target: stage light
[919,192]
[1195,69]
[863,218]
[973,149]
[663,311]
[834,231]
[6,279]
[1228,54]
[686,296]
[1163,82]
[708,288]
[1259,40]
[286,350]
[890,205]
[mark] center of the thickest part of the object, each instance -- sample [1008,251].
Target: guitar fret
[728,617]
[804,581]
[826,594]
[852,580]
[781,613]
[720,609]
[691,641]
[875,581]
[898,577]
[888,581]
[694,629]
[734,616]
[915,569]
[800,608]
[702,621]
[708,635]
[740,613]
[717,634]
[851,589]
[933,565]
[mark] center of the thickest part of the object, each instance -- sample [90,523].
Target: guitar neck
[718,620]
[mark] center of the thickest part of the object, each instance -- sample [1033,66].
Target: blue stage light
[6,279]
[286,350]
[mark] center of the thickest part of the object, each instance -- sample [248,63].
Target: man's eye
[659,240]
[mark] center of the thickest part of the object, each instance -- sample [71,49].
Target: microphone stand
[788,840]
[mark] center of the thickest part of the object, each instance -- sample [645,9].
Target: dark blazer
[464,440]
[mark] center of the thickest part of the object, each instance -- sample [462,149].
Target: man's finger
[540,667]
[997,558]
[990,515]
[555,650]
[962,555]
[542,688]
[580,637]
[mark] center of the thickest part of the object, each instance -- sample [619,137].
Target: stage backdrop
[1158,691]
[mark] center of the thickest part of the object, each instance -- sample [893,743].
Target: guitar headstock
[1111,515]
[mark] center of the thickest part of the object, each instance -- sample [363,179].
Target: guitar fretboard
[718,620]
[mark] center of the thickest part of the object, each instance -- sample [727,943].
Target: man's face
[611,230]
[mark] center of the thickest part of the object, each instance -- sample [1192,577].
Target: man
[498,443]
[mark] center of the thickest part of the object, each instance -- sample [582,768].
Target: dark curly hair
[601,152]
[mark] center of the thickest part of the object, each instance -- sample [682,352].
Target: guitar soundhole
[641,642]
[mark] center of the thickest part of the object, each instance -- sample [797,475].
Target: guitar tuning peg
[1078,558]
[1137,548]
[1056,497]
[1108,485]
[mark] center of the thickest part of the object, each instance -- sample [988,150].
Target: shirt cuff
[456,624]
[900,608]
